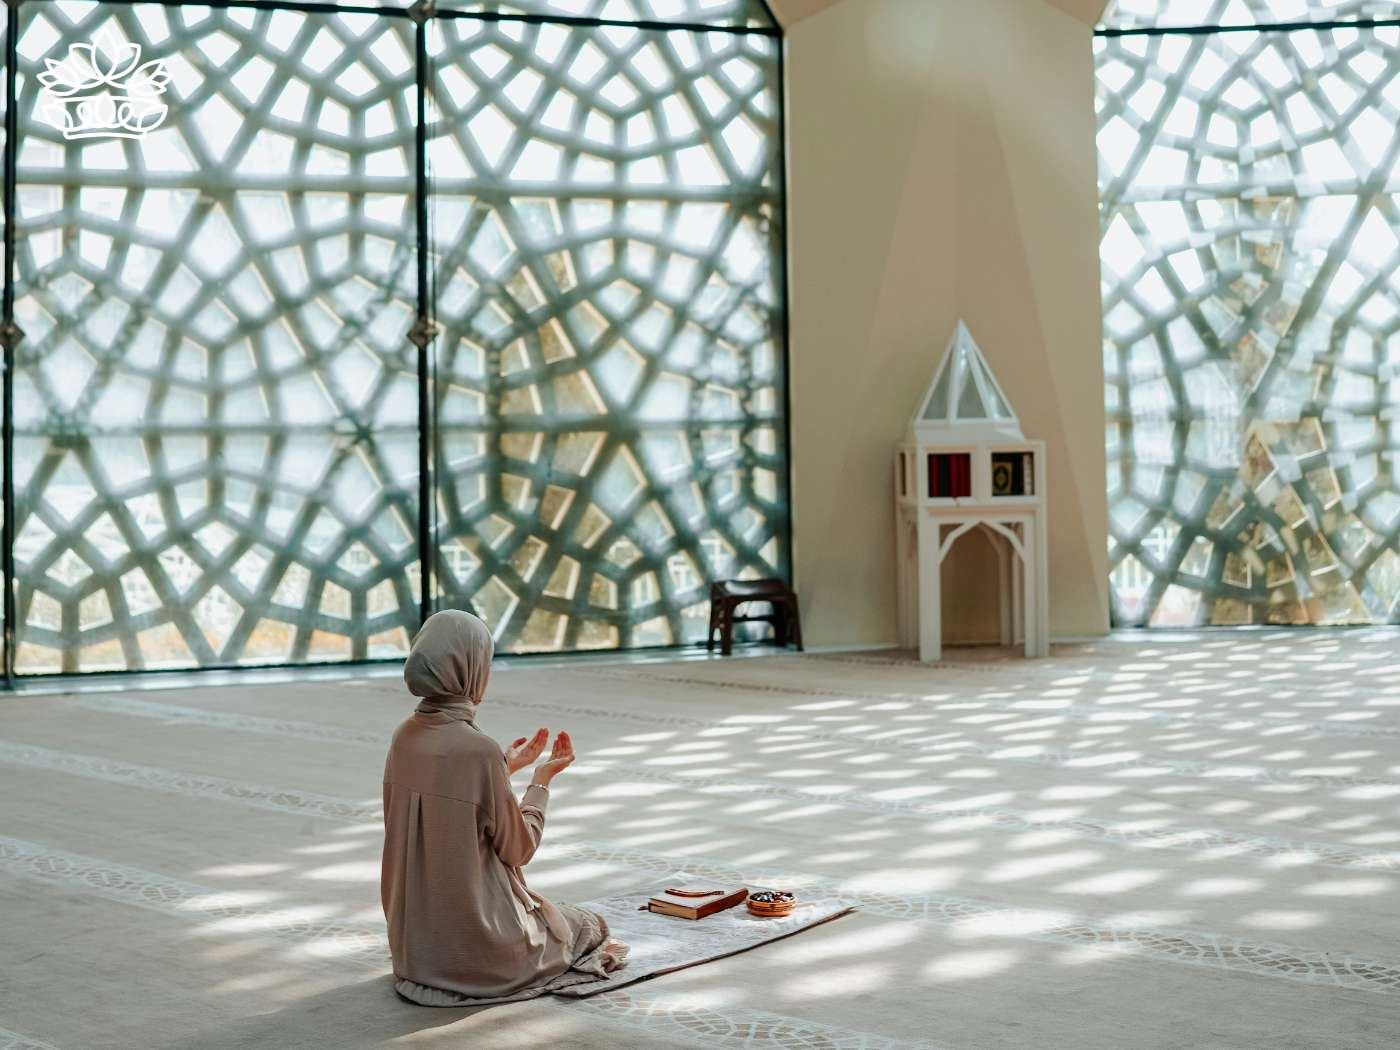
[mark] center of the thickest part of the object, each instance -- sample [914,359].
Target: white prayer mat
[660,944]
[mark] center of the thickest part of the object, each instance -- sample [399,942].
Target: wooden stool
[727,595]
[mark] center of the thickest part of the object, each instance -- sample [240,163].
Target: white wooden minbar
[965,464]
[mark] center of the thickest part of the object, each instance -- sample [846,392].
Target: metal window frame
[420,13]
[1321,25]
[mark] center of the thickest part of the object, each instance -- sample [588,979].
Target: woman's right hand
[561,757]
[526,750]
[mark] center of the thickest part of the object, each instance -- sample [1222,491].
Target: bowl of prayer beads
[767,903]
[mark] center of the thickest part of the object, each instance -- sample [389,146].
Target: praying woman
[464,929]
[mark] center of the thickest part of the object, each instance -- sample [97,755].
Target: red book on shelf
[949,475]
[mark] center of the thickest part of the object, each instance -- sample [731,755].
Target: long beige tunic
[461,919]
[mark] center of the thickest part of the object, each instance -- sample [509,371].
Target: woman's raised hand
[560,759]
[525,750]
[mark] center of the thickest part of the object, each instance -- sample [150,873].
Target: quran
[695,902]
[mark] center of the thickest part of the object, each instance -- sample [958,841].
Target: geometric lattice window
[1252,323]
[1142,14]
[720,13]
[218,426]
[610,387]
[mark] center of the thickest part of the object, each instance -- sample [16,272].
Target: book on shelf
[949,475]
[1013,474]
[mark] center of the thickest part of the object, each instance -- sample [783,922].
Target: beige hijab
[450,663]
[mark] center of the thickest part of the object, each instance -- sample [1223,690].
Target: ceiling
[790,11]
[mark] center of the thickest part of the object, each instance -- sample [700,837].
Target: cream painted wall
[790,12]
[942,165]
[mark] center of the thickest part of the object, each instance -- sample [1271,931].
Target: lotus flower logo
[101,90]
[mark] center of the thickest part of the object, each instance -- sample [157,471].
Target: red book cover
[949,475]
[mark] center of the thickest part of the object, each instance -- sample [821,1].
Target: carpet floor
[1169,841]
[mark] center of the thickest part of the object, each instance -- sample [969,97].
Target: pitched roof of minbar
[964,401]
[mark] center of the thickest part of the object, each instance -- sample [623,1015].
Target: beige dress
[463,926]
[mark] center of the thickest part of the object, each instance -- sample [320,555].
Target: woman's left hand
[560,759]
[524,751]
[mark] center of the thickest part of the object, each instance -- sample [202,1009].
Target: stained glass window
[218,425]
[1250,225]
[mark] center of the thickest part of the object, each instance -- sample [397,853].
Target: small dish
[766,903]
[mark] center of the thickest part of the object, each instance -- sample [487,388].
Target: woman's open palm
[561,757]
[525,750]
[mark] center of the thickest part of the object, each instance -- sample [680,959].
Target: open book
[696,901]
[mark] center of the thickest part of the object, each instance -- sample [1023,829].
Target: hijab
[449,664]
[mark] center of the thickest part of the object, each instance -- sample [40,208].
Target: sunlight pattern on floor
[978,877]
[337,944]
[14,1041]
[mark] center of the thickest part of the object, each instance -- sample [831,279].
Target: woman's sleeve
[516,827]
